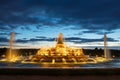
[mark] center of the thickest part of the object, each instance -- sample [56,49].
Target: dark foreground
[59,74]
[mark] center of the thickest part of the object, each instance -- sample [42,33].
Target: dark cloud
[36,31]
[86,40]
[3,39]
[38,38]
[86,16]
[8,33]
[97,32]
[69,39]
[16,33]
[22,41]
[90,14]
[41,37]
[3,33]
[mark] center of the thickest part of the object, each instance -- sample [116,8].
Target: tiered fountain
[61,54]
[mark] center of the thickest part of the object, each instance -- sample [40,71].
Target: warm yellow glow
[60,53]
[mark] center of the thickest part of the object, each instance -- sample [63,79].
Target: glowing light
[60,54]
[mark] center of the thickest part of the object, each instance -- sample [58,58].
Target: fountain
[107,56]
[106,52]
[11,54]
[11,41]
[60,54]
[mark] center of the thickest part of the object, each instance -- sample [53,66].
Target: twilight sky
[36,23]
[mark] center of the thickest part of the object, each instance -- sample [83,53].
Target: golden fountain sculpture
[60,53]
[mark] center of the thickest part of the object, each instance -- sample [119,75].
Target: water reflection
[113,64]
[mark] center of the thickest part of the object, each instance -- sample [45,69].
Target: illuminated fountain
[106,52]
[61,54]
[107,56]
[11,54]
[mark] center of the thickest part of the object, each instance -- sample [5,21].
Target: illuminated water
[112,64]
[59,52]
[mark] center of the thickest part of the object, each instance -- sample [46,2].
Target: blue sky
[37,23]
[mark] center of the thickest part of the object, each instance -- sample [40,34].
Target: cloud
[90,14]
[86,16]
[97,32]
[3,39]
[68,39]
[3,33]
[76,40]
[38,38]
[41,37]
[86,40]
[8,33]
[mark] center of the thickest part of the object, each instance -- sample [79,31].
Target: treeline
[24,52]
[90,52]
[100,52]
